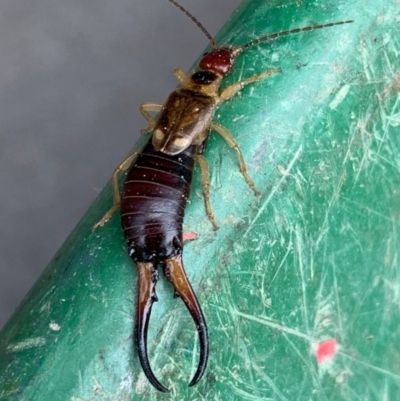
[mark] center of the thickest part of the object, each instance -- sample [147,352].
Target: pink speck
[189,236]
[326,350]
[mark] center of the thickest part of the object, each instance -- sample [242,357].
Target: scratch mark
[273,386]
[385,393]
[306,362]
[387,218]
[372,367]
[250,367]
[296,350]
[319,297]
[322,234]
[389,162]
[247,396]
[394,119]
[366,145]
[336,294]
[222,325]
[364,58]
[29,343]
[288,251]
[332,201]
[266,301]
[274,325]
[326,350]
[299,246]
[178,367]
[324,320]
[273,191]
[340,95]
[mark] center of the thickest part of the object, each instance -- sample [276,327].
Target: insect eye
[204,77]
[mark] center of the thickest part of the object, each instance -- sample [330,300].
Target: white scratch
[364,59]
[387,218]
[273,191]
[300,247]
[273,386]
[247,396]
[288,252]
[385,393]
[270,323]
[306,362]
[340,95]
[389,162]
[372,367]
[29,343]
[336,293]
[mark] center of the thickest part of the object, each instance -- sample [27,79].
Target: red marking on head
[218,60]
[326,350]
[189,236]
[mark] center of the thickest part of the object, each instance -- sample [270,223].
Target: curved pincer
[173,269]
[147,279]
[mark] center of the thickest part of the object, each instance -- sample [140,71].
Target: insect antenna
[273,36]
[196,21]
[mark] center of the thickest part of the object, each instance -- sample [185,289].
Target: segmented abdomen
[153,203]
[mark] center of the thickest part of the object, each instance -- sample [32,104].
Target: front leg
[232,90]
[181,77]
[145,108]
[232,143]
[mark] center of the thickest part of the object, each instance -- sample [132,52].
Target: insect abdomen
[153,203]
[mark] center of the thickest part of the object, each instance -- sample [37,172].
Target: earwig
[158,181]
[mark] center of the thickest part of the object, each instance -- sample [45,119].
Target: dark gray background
[72,76]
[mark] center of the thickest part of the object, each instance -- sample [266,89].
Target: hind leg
[115,188]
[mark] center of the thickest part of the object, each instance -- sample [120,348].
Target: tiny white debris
[275,57]
[55,326]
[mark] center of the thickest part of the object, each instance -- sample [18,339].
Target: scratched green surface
[315,257]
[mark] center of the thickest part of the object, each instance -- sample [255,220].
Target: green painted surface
[315,257]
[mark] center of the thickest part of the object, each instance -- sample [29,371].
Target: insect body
[152,207]
[157,184]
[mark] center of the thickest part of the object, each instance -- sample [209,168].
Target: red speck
[326,350]
[189,236]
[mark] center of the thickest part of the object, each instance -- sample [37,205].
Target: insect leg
[115,188]
[144,109]
[173,269]
[232,90]
[180,76]
[205,182]
[147,280]
[242,165]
